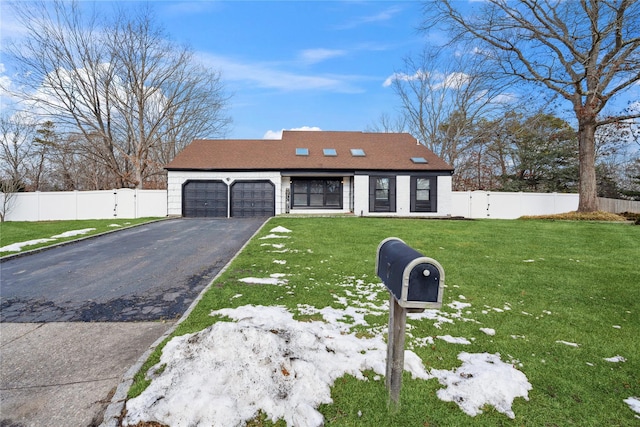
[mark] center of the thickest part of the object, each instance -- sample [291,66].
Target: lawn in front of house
[21,236]
[557,300]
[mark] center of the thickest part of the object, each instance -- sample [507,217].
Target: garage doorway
[204,198]
[252,199]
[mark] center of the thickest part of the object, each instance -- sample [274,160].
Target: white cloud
[270,75]
[404,77]
[383,16]
[313,56]
[437,80]
[277,134]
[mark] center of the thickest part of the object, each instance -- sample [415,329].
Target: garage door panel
[204,198]
[252,199]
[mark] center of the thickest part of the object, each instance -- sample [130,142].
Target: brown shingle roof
[383,151]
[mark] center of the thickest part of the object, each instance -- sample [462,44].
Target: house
[310,172]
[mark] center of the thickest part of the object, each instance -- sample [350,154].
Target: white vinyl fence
[486,204]
[104,204]
[127,203]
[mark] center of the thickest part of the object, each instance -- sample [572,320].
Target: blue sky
[291,64]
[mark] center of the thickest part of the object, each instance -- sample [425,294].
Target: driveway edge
[114,411]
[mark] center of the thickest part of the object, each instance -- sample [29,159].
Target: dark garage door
[204,198]
[252,198]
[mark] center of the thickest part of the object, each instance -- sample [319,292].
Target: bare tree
[586,51]
[442,96]
[134,97]
[16,135]
[388,124]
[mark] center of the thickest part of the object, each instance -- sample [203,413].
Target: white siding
[403,197]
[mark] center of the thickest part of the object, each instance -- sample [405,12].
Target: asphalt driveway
[149,272]
[75,319]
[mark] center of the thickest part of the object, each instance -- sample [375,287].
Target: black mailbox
[414,280]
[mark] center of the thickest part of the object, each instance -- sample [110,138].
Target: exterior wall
[105,204]
[175,179]
[403,198]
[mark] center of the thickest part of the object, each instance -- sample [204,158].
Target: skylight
[419,160]
[302,151]
[330,152]
[357,152]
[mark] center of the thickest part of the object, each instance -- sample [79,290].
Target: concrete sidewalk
[64,374]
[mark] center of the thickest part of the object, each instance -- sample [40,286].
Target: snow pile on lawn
[17,247]
[483,379]
[266,361]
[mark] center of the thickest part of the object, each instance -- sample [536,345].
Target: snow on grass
[280,229]
[615,359]
[114,225]
[274,236]
[483,379]
[273,279]
[488,331]
[264,361]
[17,247]
[634,404]
[72,233]
[570,344]
[454,340]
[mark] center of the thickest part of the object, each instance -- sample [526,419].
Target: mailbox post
[415,283]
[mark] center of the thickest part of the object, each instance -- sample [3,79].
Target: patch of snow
[280,229]
[634,404]
[17,247]
[483,379]
[236,296]
[274,236]
[488,331]
[279,261]
[617,326]
[454,340]
[114,225]
[457,305]
[615,359]
[267,361]
[273,280]
[72,233]
[528,260]
[430,315]
[571,344]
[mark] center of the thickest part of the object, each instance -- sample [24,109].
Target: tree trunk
[587,189]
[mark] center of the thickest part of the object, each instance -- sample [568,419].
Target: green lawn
[534,282]
[23,231]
